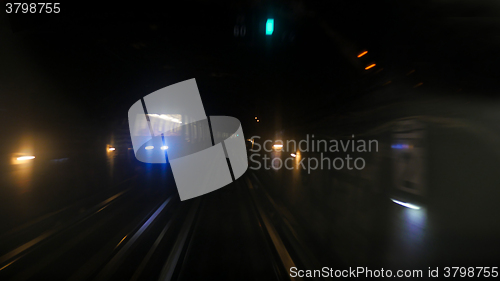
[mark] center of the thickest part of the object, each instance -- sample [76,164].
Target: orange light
[362,54]
[255,117]
[257,120]
[370,66]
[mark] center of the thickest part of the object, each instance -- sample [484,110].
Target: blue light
[269,26]
[400,146]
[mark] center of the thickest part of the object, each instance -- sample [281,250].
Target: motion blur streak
[117,259]
[172,260]
[362,54]
[407,205]
[25,157]
[370,66]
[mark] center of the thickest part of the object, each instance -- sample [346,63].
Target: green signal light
[269,26]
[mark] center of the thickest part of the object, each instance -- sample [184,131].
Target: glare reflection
[409,235]
[296,180]
[110,158]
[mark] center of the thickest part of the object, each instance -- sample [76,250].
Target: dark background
[94,61]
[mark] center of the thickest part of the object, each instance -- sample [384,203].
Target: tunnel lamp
[293,155]
[276,146]
[407,205]
[269,26]
[111,149]
[25,157]
[362,54]
[370,66]
[149,147]
[401,146]
[164,147]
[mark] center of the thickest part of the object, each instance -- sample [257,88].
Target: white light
[277,146]
[164,147]
[149,147]
[166,117]
[293,155]
[25,157]
[407,205]
[111,149]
